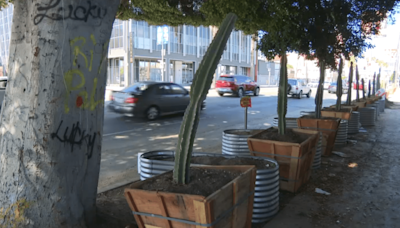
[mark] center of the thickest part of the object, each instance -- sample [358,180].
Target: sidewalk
[364,187]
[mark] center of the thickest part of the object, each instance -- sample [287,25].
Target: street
[125,137]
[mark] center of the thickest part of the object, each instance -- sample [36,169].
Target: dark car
[238,85]
[150,100]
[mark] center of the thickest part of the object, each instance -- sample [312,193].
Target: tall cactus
[282,95]
[320,90]
[339,87]
[378,81]
[373,85]
[357,85]
[369,88]
[199,89]
[363,86]
[350,81]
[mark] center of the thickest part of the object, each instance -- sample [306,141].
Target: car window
[177,90]
[292,82]
[163,89]
[228,79]
[136,88]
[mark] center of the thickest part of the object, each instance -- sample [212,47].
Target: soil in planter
[203,182]
[322,118]
[334,109]
[243,132]
[210,160]
[290,136]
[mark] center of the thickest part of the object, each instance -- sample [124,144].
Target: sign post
[245,102]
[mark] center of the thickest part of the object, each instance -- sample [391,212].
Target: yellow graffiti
[13,216]
[83,100]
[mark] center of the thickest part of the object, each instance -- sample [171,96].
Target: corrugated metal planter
[367,116]
[266,196]
[341,138]
[382,105]
[291,122]
[234,141]
[354,123]
[318,153]
[376,106]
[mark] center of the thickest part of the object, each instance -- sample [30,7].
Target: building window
[191,40]
[204,39]
[147,70]
[141,34]
[235,45]
[176,41]
[227,51]
[244,71]
[6,16]
[115,71]
[116,40]
[228,70]
[187,73]
[245,46]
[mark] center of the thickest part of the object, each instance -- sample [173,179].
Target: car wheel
[221,94]
[257,91]
[152,113]
[300,94]
[240,92]
[329,91]
[308,94]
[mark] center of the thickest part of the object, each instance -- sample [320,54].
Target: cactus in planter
[198,92]
[282,95]
[350,81]
[339,88]
[357,85]
[363,86]
[378,81]
[369,88]
[320,90]
[373,85]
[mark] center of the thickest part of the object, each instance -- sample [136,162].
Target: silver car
[332,88]
[298,88]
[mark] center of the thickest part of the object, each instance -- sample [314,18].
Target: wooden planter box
[294,159]
[360,104]
[327,126]
[196,208]
[352,107]
[328,112]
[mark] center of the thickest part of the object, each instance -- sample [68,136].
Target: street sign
[245,102]
[162,34]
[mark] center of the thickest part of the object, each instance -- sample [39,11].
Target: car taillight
[131,100]
[111,97]
[297,88]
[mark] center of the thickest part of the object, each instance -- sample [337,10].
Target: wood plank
[164,211]
[200,212]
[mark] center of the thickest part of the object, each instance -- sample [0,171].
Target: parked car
[313,84]
[150,100]
[360,86]
[238,85]
[298,88]
[326,85]
[333,85]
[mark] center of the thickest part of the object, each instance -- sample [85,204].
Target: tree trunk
[52,114]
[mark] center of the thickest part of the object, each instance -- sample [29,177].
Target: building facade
[6,16]
[142,52]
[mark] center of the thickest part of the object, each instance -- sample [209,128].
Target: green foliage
[282,95]
[339,86]
[363,86]
[350,81]
[4,3]
[198,92]
[357,85]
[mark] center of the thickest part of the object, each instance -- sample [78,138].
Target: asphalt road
[125,137]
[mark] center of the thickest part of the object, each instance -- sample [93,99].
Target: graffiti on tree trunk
[60,12]
[83,100]
[75,136]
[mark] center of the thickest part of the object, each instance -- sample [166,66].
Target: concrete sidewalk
[363,186]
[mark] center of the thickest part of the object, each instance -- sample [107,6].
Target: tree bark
[52,113]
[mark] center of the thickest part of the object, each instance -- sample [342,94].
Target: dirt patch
[322,118]
[209,160]
[202,182]
[243,132]
[290,136]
